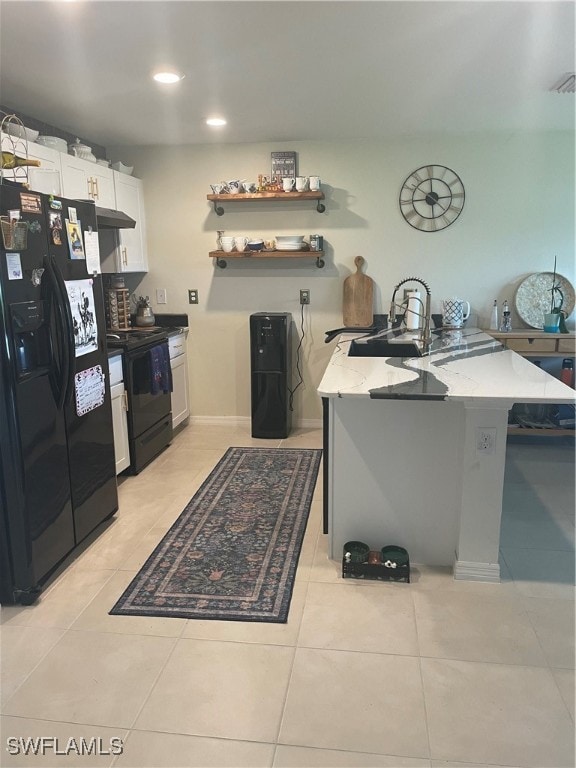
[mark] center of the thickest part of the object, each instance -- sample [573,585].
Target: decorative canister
[144,314]
[316,243]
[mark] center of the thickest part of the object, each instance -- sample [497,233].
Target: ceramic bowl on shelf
[20,131]
[127,169]
[289,239]
[53,142]
[292,246]
[255,245]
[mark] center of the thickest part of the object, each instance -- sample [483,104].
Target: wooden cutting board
[357,305]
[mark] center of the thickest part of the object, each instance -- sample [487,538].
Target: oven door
[144,408]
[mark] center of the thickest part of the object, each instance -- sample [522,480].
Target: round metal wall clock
[432,198]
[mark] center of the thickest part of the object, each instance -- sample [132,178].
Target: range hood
[108,218]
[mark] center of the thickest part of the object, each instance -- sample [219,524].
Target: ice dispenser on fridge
[30,337]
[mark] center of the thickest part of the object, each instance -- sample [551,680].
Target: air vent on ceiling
[564,84]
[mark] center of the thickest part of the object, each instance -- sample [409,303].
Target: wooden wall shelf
[246,197]
[541,432]
[222,256]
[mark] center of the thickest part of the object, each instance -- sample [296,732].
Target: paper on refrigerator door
[81,298]
[92,251]
[90,388]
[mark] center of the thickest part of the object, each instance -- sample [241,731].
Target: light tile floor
[434,673]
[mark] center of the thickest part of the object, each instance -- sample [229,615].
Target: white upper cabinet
[84,180]
[47,178]
[103,181]
[70,176]
[132,255]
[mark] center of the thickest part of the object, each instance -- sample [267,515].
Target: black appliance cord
[292,391]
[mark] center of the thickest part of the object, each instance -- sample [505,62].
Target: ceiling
[287,71]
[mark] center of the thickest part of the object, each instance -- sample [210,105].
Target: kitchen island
[415,447]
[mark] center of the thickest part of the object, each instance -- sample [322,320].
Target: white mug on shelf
[314,183]
[288,183]
[234,187]
[227,244]
[454,314]
[301,183]
[240,243]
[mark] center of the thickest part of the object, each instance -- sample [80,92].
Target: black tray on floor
[375,571]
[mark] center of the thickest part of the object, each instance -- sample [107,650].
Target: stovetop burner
[135,337]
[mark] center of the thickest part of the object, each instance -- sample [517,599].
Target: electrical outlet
[304,296]
[161,297]
[193,296]
[485,440]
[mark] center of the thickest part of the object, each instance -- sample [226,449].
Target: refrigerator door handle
[68,329]
[61,385]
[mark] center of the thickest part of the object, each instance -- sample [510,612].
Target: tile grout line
[287,689]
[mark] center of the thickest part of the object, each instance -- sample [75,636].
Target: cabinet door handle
[125,400]
[90,190]
[124,257]
[97,192]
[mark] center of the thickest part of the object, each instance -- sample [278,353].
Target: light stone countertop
[466,365]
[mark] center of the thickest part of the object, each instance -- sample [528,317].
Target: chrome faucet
[425,337]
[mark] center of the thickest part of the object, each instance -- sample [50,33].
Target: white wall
[519,214]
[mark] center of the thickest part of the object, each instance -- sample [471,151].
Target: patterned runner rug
[232,553]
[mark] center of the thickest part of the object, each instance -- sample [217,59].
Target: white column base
[477,571]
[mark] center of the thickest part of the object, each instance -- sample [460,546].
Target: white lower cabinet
[179,366]
[119,414]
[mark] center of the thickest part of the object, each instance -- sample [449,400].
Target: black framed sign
[283,164]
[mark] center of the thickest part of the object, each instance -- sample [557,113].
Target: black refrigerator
[270,364]
[57,467]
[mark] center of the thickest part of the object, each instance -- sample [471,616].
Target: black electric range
[149,411]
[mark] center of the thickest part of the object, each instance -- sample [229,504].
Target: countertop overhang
[464,365]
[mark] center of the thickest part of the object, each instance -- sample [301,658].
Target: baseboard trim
[243,421]
[471,571]
[223,421]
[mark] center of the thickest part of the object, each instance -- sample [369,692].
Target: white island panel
[397,476]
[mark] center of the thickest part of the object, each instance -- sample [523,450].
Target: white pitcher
[454,314]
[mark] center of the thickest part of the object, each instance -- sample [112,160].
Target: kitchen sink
[383,348]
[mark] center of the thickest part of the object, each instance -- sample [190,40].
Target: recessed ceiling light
[215,121]
[167,78]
